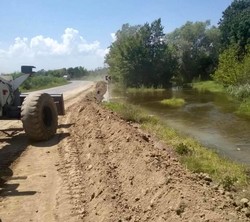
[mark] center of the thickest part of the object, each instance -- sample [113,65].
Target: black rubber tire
[39,116]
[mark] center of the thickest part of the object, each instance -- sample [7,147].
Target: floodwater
[208,117]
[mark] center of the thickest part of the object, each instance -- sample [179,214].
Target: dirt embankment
[118,173]
[105,169]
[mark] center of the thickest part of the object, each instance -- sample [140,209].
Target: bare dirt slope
[30,184]
[101,168]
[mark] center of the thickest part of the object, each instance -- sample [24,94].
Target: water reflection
[208,117]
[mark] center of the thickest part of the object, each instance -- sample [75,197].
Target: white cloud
[48,53]
[19,48]
[113,36]
[85,47]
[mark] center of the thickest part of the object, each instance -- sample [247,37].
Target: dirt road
[101,168]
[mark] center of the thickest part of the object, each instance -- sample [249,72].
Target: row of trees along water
[145,55]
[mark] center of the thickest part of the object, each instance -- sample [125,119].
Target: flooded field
[208,117]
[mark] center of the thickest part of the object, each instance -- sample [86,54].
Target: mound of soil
[112,171]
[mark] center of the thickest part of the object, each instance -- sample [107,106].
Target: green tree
[140,56]
[77,72]
[53,73]
[231,70]
[235,24]
[197,48]
[117,56]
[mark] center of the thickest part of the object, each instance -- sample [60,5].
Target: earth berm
[106,169]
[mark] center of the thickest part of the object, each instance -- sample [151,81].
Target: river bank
[193,155]
[130,175]
[100,167]
[239,93]
[207,117]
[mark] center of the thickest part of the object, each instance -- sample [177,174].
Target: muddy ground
[101,168]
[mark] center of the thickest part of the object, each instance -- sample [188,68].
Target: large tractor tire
[39,116]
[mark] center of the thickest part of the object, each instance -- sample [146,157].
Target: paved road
[69,91]
[73,85]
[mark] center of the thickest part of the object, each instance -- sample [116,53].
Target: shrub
[240,92]
[42,82]
[183,149]
[233,70]
[244,108]
[173,102]
[228,182]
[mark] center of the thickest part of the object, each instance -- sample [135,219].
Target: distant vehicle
[38,111]
[67,77]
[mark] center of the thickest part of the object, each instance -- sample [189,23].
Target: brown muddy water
[208,117]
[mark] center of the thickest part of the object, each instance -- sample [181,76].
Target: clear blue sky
[63,33]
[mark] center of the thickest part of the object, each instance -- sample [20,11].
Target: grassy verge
[210,86]
[143,89]
[242,94]
[239,93]
[173,102]
[244,108]
[192,154]
[130,112]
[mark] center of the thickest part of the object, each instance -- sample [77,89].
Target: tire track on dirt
[102,183]
[113,171]
[71,167]
[126,177]
[32,173]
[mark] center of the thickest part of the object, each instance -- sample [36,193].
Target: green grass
[130,112]
[173,102]
[242,94]
[210,86]
[198,158]
[41,82]
[244,108]
[192,154]
[143,89]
